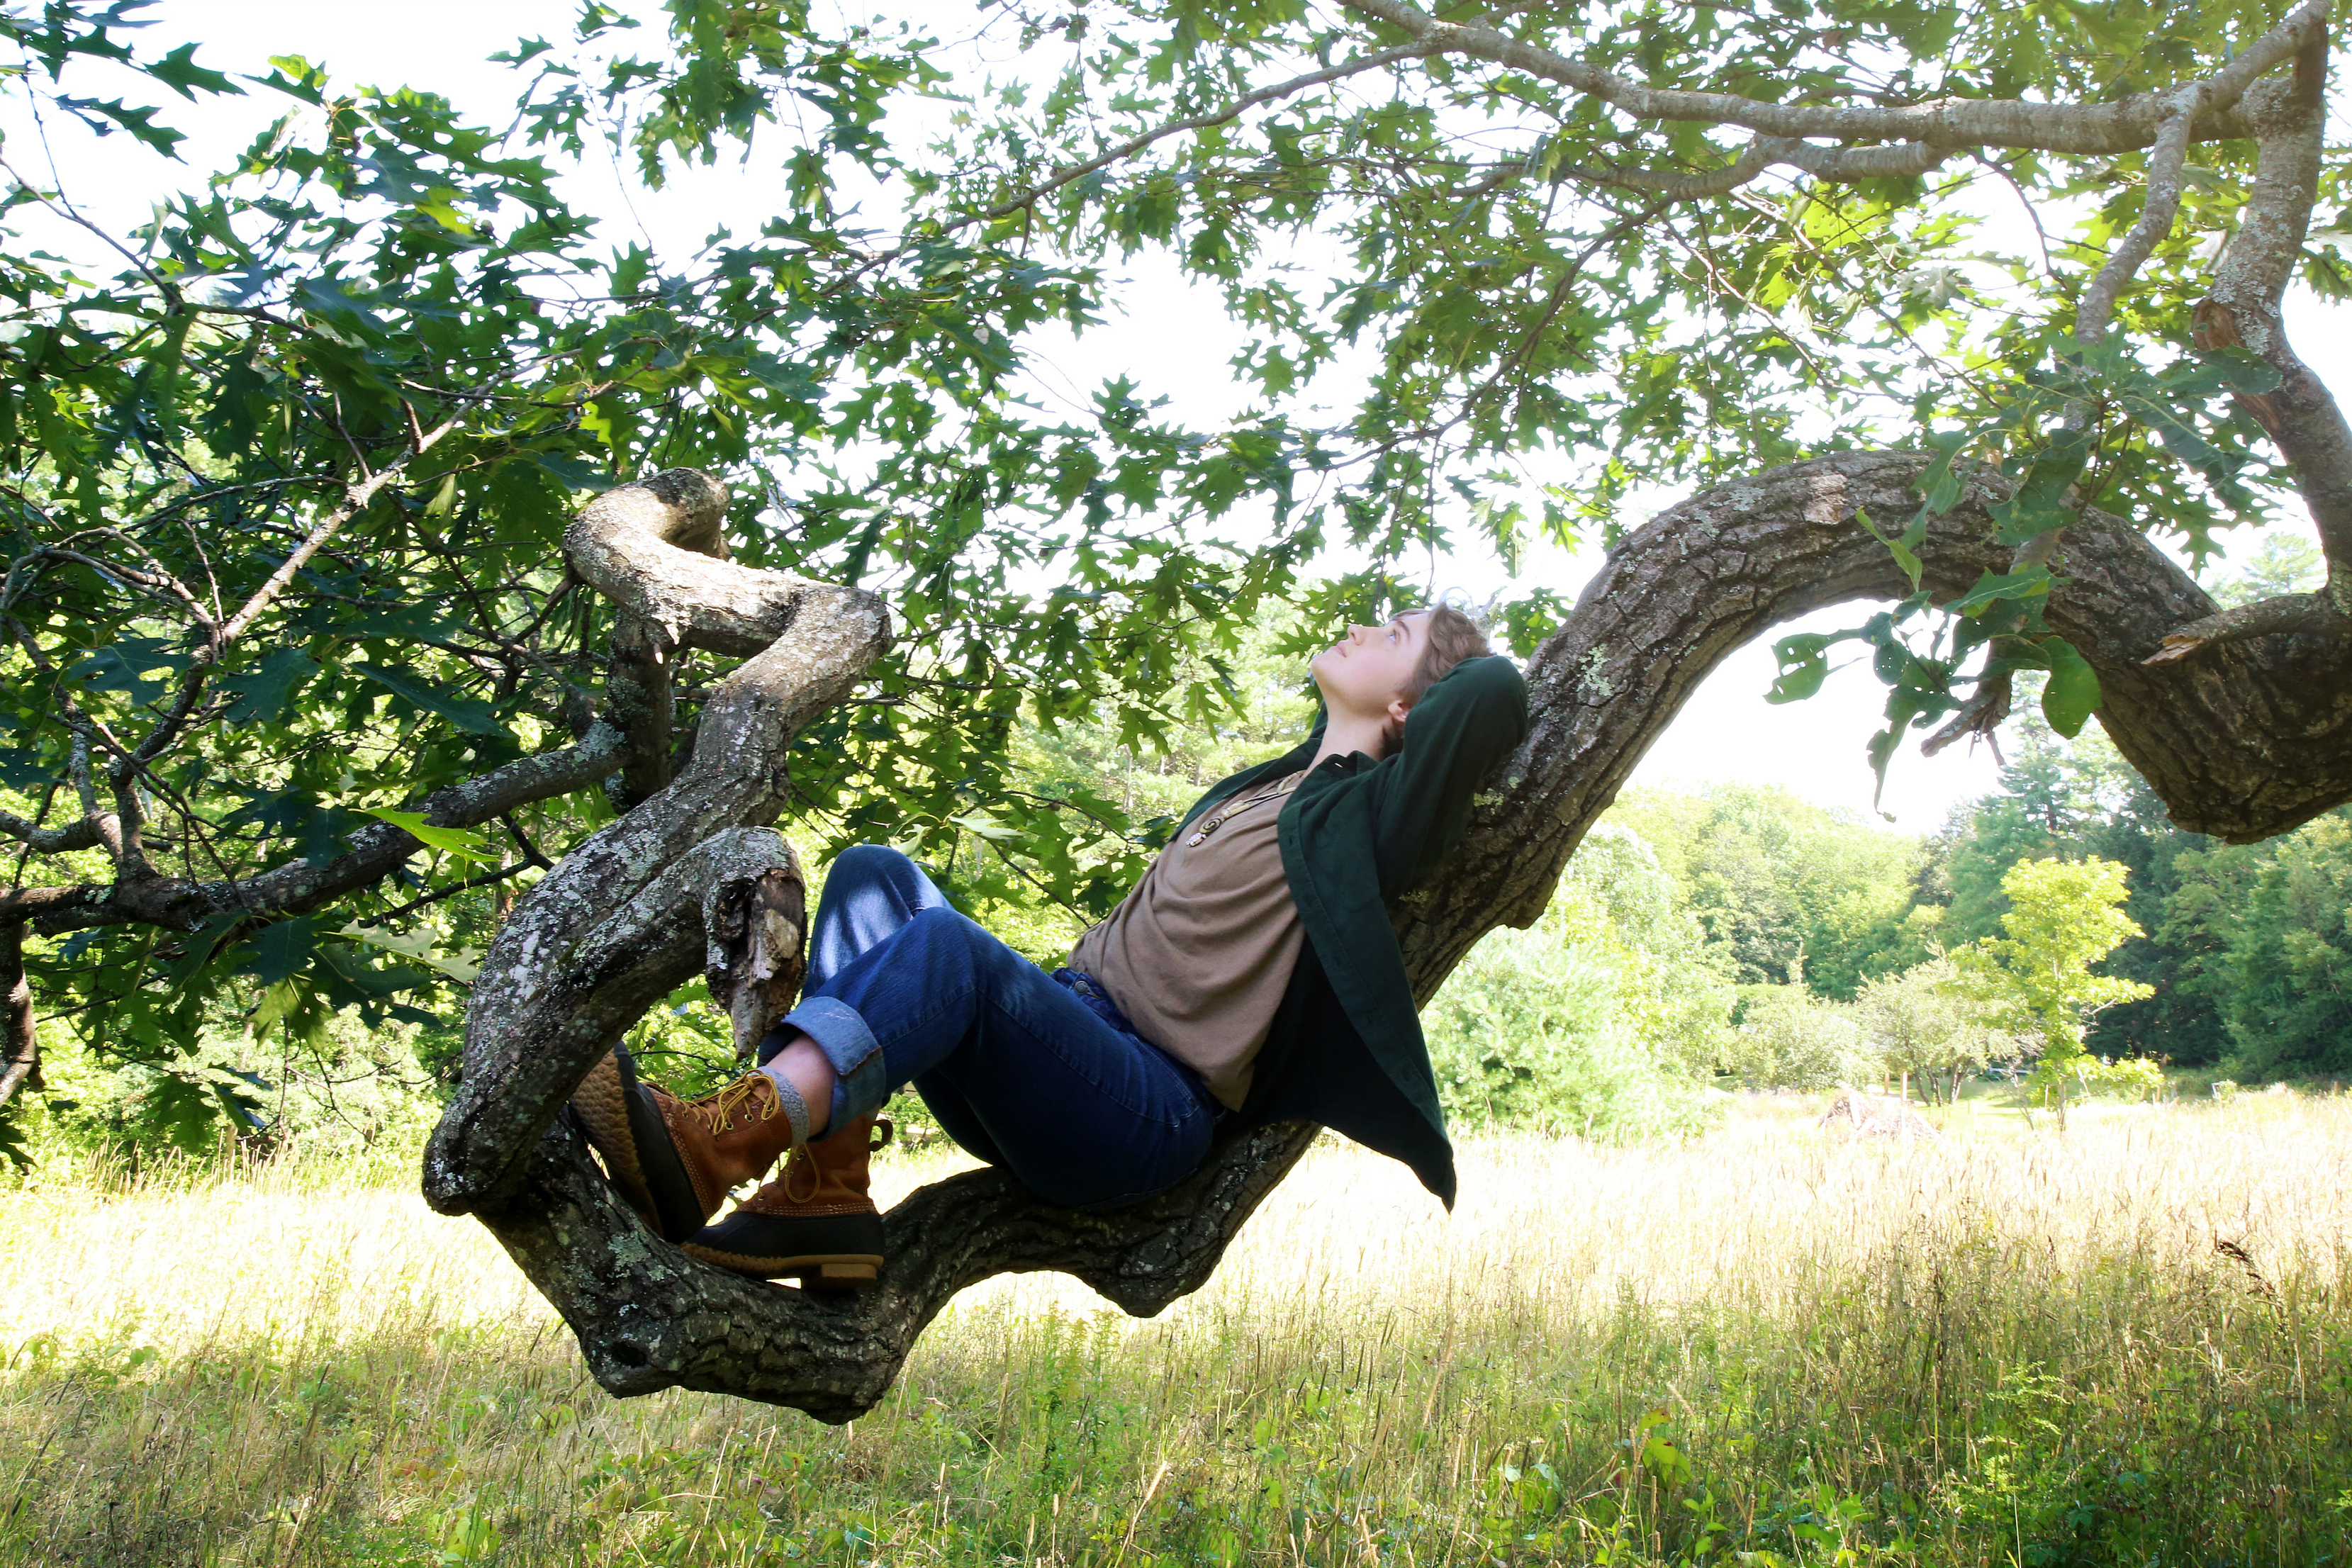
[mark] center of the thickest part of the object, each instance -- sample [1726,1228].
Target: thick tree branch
[1840,164]
[2245,309]
[650,1318]
[1949,123]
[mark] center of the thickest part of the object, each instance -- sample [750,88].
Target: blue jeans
[1038,1073]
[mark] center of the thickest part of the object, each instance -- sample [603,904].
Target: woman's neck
[1345,733]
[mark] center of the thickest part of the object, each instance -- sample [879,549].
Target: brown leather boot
[814,1222]
[675,1160]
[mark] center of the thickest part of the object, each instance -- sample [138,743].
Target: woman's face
[1363,672]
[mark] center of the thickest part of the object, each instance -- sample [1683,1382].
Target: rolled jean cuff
[863,1085]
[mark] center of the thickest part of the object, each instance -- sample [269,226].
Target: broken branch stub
[757,935]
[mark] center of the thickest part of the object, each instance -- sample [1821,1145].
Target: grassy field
[2122,1344]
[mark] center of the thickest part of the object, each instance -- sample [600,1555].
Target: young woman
[1251,976]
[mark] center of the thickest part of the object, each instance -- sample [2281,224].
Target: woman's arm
[1458,734]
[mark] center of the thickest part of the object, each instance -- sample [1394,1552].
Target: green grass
[2013,1347]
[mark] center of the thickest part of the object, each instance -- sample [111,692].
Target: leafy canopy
[357,381]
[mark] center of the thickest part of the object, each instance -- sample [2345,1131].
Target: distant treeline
[2247,947]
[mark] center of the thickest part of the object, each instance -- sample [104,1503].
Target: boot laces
[718,1112]
[801,1159]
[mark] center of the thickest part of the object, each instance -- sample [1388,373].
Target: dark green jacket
[1346,1049]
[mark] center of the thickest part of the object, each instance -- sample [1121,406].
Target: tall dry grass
[2125,1343]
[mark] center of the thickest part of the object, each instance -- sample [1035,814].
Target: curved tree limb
[2247,309]
[2252,741]
[622,920]
[1674,599]
[2089,128]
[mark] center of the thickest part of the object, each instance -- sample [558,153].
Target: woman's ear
[1393,730]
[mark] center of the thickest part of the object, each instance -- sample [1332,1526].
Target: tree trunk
[20,1056]
[2247,740]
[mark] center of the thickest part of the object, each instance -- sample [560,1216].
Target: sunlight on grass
[2128,1337]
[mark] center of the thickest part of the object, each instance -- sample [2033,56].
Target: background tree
[289,645]
[2059,799]
[1936,1021]
[1789,891]
[1787,1038]
[2063,917]
[2266,940]
[1605,1018]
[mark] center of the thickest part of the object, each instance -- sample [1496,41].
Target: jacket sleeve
[1457,736]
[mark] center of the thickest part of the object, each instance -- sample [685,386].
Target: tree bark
[2249,740]
[20,1040]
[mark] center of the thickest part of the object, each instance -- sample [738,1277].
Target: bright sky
[1726,732]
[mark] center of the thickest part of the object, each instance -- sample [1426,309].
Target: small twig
[1128,149]
[454,889]
[531,857]
[64,210]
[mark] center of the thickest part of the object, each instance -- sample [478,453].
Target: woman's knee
[943,929]
[869,863]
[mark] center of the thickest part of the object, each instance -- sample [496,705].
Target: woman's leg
[870,892]
[1083,1113]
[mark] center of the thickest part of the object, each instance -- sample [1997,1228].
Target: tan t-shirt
[1200,952]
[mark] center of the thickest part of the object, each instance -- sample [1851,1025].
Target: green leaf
[297,78]
[469,714]
[275,952]
[571,473]
[2071,693]
[1903,549]
[1805,665]
[462,842]
[179,71]
[2034,583]
[266,691]
[2038,503]
[139,122]
[2244,370]
[201,945]
[461,964]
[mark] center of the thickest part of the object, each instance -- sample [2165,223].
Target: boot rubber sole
[625,1123]
[602,1103]
[815,1271]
